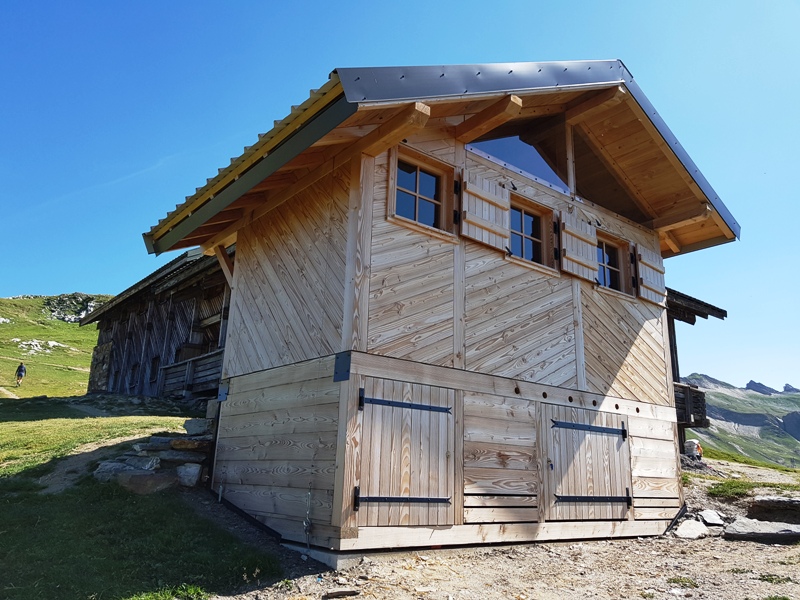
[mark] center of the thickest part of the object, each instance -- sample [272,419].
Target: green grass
[745,460]
[98,540]
[684,582]
[737,488]
[34,433]
[64,371]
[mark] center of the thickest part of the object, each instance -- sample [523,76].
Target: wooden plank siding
[624,347]
[276,445]
[289,281]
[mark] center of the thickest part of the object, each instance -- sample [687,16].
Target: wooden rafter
[495,115]
[390,133]
[691,215]
[225,263]
[596,103]
[671,241]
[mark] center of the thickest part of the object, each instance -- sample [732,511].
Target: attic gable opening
[539,149]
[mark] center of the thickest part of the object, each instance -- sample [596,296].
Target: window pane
[428,185]
[406,176]
[613,256]
[534,226]
[536,252]
[428,213]
[405,205]
[601,276]
[516,219]
[614,282]
[516,244]
[602,258]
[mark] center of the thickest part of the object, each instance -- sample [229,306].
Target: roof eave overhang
[361,88]
[394,84]
[167,234]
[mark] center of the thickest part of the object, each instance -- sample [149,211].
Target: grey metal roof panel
[393,84]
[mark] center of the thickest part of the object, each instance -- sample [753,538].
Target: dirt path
[662,568]
[6,394]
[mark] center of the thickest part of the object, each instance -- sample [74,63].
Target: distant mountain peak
[754,386]
[790,389]
[706,382]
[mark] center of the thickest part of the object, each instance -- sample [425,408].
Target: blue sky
[112,113]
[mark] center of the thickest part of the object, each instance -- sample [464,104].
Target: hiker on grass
[21,370]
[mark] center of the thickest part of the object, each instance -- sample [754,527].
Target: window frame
[549,243]
[625,268]
[432,166]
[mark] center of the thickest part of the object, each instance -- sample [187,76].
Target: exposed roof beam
[668,222]
[332,115]
[495,115]
[225,263]
[671,241]
[541,110]
[390,133]
[598,102]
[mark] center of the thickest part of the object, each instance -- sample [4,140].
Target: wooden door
[586,463]
[407,455]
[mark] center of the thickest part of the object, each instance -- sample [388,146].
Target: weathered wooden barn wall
[289,281]
[165,338]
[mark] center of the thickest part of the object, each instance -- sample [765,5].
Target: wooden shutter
[651,276]
[485,211]
[578,244]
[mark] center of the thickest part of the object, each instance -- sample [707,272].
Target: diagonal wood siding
[411,287]
[624,342]
[289,281]
[519,322]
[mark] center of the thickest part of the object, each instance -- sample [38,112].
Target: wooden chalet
[448,317]
[165,335]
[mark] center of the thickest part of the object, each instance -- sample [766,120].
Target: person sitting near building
[21,371]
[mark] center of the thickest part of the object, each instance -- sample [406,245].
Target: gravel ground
[661,568]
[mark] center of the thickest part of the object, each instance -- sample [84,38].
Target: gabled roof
[363,109]
[170,275]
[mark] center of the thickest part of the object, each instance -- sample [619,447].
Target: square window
[611,267]
[419,189]
[529,237]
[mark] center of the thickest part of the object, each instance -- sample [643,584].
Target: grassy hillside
[57,354]
[747,423]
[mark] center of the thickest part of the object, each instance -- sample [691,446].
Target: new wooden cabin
[447,318]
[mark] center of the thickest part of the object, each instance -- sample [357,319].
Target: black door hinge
[456,217]
[457,188]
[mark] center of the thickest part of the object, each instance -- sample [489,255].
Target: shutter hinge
[556,228]
[456,217]
[457,188]
[556,254]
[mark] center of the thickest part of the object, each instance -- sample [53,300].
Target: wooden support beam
[570,145]
[390,133]
[225,263]
[668,222]
[596,103]
[671,241]
[495,115]
[541,110]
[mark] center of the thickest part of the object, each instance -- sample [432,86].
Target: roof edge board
[683,156]
[320,98]
[328,119]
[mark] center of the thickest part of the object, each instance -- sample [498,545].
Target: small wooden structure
[165,335]
[690,402]
[448,320]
